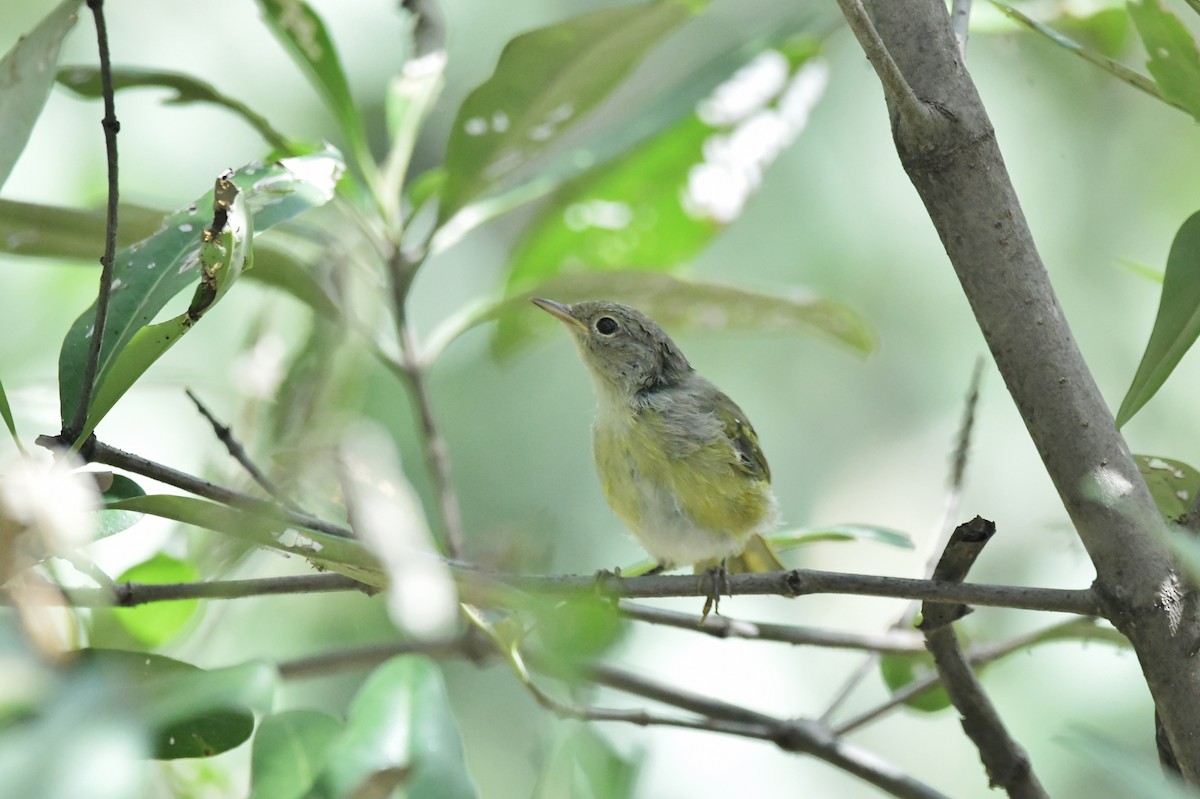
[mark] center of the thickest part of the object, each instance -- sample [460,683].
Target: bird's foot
[714,581]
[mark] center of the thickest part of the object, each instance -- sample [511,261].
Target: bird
[678,461]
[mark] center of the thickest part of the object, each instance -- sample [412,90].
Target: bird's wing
[741,435]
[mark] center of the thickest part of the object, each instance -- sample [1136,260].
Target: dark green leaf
[1172,483]
[26,76]
[342,555]
[195,713]
[290,750]
[545,81]
[788,539]
[155,623]
[400,730]
[1174,61]
[303,35]
[148,274]
[114,521]
[661,204]
[278,268]
[6,414]
[85,81]
[585,766]
[1177,323]
[681,304]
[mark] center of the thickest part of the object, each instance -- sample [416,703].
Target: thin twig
[802,582]
[899,95]
[456,646]
[111,127]
[960,22]
[799,736]
[897,641]
[979,656]
[1006,762]
[127,595]
[958,471]
[402,268]
[98,452]
[239,454]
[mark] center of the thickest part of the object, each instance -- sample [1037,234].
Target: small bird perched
[678,460]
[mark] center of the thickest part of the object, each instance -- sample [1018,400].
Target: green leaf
[155,623]
[585,766]
[545,81]
[26,76]
[678,304]
[114,521]
[1174,61]
[1177,323]
[343,555]
[195,713]
[290,750]
[6,414]
[85,82]
[148,274]
[1114,68]
[224,252]
[410,98]
[400,731]
[662,203]
[1172,483]
[789,539]
[576,630]
[303,35]
[898,670]
[49,231]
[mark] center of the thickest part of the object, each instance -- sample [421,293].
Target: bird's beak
[559,311]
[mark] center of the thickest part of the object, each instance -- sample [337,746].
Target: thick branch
[954,162]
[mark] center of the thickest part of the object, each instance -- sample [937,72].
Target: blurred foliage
[632,190]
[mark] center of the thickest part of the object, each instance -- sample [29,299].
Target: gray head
[623,348]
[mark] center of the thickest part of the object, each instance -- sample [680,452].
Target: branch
[979,656]
[895,641]
[955,164]
[111,127]
[238,452]
[97,452]
[127,595]
[1006,762]
[802,582]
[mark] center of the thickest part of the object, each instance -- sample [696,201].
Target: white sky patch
[719,187]
[597,214]
[387,515]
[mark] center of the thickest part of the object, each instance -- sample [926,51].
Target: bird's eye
[606,325]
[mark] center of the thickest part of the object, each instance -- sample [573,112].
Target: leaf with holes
[547,80]
[1174,61]
[147,274]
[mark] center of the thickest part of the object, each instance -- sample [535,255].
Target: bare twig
[1005,760]
[97,452]
[402,267]
[958,471]
[127,595]
[111,127]
[960,20]
[429,29]
[239,454]
[725,627]
[901,99]
[979,656]
[802,582]
[462,645]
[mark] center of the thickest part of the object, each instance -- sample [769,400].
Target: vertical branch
[401,269]
[111,127]
[1006,762]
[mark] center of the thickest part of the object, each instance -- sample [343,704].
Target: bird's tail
[758,556]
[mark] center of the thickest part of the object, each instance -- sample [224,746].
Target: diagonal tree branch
[952,157]
[1006,762]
